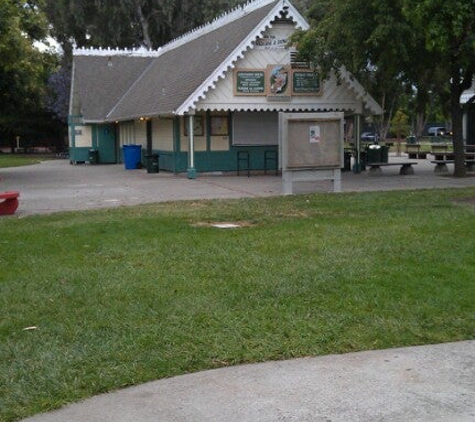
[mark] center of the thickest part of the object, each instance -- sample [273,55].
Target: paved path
[416,384]
[430,383]
[58,186]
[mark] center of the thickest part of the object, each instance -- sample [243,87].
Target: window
[219,126]
[256,128]
[198,125]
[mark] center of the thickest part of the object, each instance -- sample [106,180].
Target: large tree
[24,69]
[449,34]
[370,38]
[128,23]
[426,46]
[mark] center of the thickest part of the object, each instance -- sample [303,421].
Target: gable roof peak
[219,21]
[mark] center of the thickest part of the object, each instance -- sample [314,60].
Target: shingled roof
[110,85]
[114,86]
[179,72]
[100,81]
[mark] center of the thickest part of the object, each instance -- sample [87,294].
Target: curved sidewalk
[417,384]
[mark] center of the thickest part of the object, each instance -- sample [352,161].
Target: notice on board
[314,132]
[250,82]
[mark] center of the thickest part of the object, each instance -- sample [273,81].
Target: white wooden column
[358,167]
[191,172]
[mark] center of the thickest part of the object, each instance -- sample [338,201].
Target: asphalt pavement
[56,185]
[426,383]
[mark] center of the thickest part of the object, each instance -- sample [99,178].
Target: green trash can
[152,163]
[373,154]
[93,156]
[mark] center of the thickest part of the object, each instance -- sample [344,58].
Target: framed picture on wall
[199,128]
[219,126]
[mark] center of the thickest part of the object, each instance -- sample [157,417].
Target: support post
[191,172]
[357,167]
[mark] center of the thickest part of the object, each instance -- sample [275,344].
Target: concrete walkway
[58,186]
[416,384]
[429,383]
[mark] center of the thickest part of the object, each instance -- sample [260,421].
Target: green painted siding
[217,161]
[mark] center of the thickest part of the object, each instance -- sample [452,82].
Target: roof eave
[369,103]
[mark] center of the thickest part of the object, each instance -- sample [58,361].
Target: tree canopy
[128,23]
[449,34]
[23,68]
[131,23]
[423,48]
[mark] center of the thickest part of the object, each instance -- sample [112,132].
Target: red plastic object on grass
[10,202]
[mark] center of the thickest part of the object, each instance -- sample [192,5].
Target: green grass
[14,160]
[124,296]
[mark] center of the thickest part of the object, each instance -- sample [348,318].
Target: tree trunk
[457,129]
[145,28]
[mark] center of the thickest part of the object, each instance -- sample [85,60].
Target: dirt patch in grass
[465,201]
[224,224]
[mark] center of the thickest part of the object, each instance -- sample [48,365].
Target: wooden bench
[441,165]
[10,202]
[406,167]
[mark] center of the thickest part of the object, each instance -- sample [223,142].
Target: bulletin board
[312,140]
[311,147]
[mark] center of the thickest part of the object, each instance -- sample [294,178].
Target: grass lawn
[96,301]
[17,160]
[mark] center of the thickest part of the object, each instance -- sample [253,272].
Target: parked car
[369,137]
[438,131]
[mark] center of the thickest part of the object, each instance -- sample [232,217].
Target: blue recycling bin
[132,156]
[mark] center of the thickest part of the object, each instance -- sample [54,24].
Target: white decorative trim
[216,23]
[360,92]
[240,50]
[106,52]
[467,96]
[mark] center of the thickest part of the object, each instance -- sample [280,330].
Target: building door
[107,144]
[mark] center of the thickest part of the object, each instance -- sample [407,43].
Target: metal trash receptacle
[373,154]
[347,161]
[93,157]
[152,163]
[132,156]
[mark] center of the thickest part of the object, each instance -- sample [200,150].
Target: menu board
[305,83]
[250,82]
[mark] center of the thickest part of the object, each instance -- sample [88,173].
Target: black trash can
[347,161]
[152,163]
[384,154]
[373,154]
[93,156]
[363,161]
